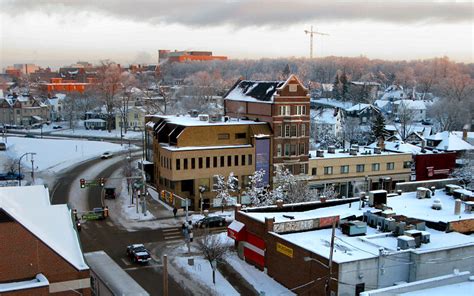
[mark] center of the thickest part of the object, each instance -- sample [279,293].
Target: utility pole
[311,35]
[165,275]
[328,280]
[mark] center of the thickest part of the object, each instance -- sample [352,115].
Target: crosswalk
[170,234]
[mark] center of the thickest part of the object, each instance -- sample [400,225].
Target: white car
[106,155]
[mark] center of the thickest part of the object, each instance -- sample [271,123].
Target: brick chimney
[464,133]
[279,204]
[381,144]
[269,223]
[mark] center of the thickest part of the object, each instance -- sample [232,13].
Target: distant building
[23,110]
[187,55]
[364,90]
[41,252]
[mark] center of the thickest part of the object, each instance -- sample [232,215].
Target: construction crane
[311,33]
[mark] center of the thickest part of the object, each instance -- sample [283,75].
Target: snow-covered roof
[411,104]
[398,146]
[470,136]
[52,224]
[332,103]
[371,83]
[236,225]
[39,281]
[449,142]
[358,107]
[325,116]
[187,120]
[381,103]
[254,91]
[339,153]
[190,148]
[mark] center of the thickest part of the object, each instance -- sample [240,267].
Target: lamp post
[19,166]
[201,191]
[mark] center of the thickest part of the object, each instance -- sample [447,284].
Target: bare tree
[108,86]
[70,108]
[405,125]
[449,116]
[214,250]
[351,130]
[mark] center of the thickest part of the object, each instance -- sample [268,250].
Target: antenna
[311,34]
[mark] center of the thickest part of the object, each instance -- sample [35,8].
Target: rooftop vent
[319,153]
[203,117]
[332,149]
[215,118]
[422,192]
[353,151]
[377,150]
[437,205]
[194,113]
[354,228]
[405,242]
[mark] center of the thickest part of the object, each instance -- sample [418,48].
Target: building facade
[23,110]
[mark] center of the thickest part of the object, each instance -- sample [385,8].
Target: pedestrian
[175,210]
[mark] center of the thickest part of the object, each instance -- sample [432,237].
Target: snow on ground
[258,279]
[55,154]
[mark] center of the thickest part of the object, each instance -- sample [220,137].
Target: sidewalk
[161,210]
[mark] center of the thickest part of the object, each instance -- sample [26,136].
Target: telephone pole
[311,35]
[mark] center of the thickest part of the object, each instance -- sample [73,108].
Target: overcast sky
[62,32]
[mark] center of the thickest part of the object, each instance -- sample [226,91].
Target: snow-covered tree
[255,190]
[289,188]
[224,188]
[329,192]
[465,173]
[214,249]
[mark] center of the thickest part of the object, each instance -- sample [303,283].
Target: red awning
[236,230]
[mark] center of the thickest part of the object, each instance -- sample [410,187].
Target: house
[135,118]
[326,121]
[189,151]
[364,90]
[41,253]
[393,93]
[292,243]
[285,106]
[56,107]
[24,110]
[415,109]
[447,141]
[364,112]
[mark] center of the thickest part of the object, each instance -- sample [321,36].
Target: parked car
[109,192]
[11,176]
[211,221]
[106,155]
[3,146]
[138,253]
[57,127]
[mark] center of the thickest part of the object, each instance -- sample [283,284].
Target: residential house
[41,252]
[135,118]
[447,141]
[415,109]
[23,110]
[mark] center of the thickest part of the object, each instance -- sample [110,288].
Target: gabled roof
[449,142]
[254,91]
[52,224]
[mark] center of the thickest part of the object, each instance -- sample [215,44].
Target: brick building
[41,253]
[188,152]
[165,55]
[285,105]
[23,110]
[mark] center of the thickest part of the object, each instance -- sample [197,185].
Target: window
[287,149]
[229,160]
[214,161]
[284,110]
[250,159]
[302,149]
[240,135]
[390,166]
[360,168]
[287,130]
[344,169]
[293,130]
[223,136]
[193,163]
[200,162]
[293,87]
[313,171]
[328,170]
[279,150]
[303,169]
[178,164]
[236,160]
[208,162]
[222,161]
[303,130]
[185,164]
[376,167]
[407,164]
[293,149]
[242,160]
[301,110]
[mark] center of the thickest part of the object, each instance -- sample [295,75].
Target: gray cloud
[248,13]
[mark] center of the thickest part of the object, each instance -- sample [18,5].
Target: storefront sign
[284,250]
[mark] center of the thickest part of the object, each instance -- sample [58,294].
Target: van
[3,146]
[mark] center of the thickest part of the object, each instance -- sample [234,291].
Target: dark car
[57,127]
[138,253]
[212,221]
[109,192]
[11,176]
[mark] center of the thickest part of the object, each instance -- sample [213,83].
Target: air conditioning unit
[194,113]
[405,242]
[215,118]
[353,151]
[422,192]
[389,225]
[425,237]
[319,153]
[354,228]
[416,234]
[400,228]
[331,149]
[203,117]
[377,150]
[377,197]
[449,188]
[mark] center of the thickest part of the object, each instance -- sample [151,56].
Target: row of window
[206,162]
[226,136]
[291,149]
[285,110]
[344,169]
[291,130]
[206,182]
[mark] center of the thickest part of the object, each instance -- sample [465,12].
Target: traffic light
[102,182]
[83,183]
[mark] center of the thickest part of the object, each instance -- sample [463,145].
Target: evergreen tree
[378,127]
[345,86]
[286,72]
[336,89]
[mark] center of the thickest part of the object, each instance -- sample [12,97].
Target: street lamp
[201,191]
[19,166]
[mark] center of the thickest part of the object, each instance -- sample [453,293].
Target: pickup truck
[11,176]
[138,253]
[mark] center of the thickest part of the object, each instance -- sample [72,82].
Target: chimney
[279,204]
[269,223]
[381,144]
[464,133]
[457,207]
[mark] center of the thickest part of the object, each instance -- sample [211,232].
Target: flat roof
[188,148]
[116,279]
[362,151]
[187,120]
